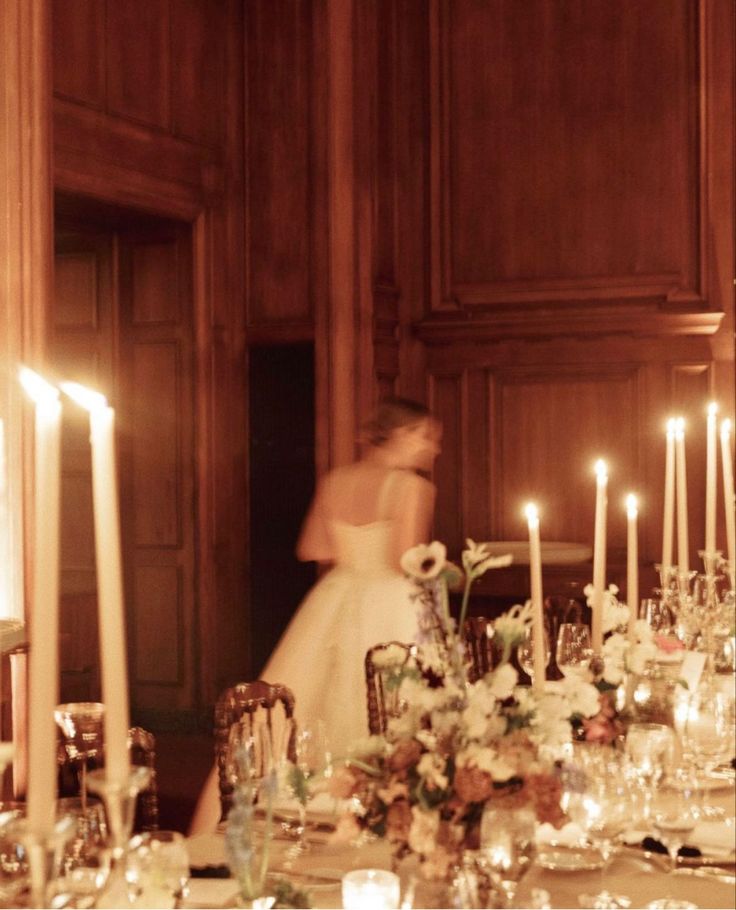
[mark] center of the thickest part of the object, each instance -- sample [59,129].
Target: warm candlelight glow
[711,458]
[89,399]
[43,675]
[669,501]
[38,390]
[683,540]
[539,662]
[109,578]
[728,499]
[599,554]
[632,561]
[632,506]
[531,513]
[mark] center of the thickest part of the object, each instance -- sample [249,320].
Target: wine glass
[14,872]
[648,749]
[508,846]
[81,724]
[707,729]
[312,764]
[657,614]
[87,857]
[525,652]
[574,650]
[607,805]
[158,864]
[675,812]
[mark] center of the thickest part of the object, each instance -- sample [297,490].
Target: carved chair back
[244,703]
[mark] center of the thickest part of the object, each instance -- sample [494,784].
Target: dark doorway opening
[282,479]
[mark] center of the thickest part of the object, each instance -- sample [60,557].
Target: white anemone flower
[425,561]
[477,560]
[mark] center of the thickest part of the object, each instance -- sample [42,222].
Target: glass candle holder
[370,889]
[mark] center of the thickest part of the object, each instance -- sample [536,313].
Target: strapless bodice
[362,548]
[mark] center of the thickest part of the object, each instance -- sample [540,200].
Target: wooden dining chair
[478,647]
[382,661]
[142,748]
[246,701]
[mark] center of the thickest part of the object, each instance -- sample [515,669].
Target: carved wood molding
[452,300]
[570,322]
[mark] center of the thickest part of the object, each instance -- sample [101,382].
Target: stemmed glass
[607,805]
[707,729]
[574,650]
[158,866]
[648,749]
[312,762]
[675,812]
[525,652]
[508,846]
[248,758]
[87,858]
[81,724]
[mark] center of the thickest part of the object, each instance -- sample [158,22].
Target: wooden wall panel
[139,60]
[278,159]
[156,367]
[159,601]
[79,50]
[198,70]
[156,293]
[549,127]
[75,282]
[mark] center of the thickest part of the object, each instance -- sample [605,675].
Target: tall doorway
[122,323]
[282,477]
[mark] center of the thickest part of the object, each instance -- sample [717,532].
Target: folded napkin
[569,835]
[715,838]
[211,895]
[324,809]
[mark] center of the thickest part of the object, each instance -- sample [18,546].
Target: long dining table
[642,877]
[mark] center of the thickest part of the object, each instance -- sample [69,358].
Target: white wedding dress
[359,603]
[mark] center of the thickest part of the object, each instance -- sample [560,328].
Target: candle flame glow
[89,399]
[680,428]
[712,409]
[37,388]
[671,427]
[531,512]
[601,471]
[632,505]
[725,428]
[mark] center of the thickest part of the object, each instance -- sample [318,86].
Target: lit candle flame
[601,471]
[725,428]
[712,409]
[37,388]
[87,398]
[532,513]
[671,427]
[680,428]
[632,505]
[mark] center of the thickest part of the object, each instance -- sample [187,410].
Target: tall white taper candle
[109,580]
[683,540]
[43,686]
[669,499]
[535,569]
[728,499]
[632,563]
[599,554]
[711,455]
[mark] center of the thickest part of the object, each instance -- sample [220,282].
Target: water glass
[574,650]
[676,811]
[649,749]
[158,866]
[507,842]
[707,729]
[525,652]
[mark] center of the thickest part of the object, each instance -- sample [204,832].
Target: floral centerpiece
[458,746]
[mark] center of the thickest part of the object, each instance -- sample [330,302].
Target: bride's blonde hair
[390,414]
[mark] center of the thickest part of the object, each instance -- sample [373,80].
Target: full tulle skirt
[321,655]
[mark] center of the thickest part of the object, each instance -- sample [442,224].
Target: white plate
[569,859]
[553,553]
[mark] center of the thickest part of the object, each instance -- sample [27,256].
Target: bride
[363,517]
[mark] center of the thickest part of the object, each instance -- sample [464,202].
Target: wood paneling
[79,50]
[566,161]
[138,58]
[156,290]
[75,283]
[158,657]
[198,70]
[278,161]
